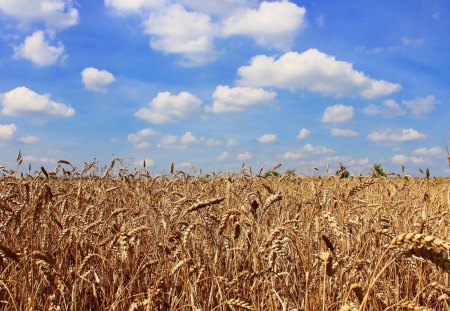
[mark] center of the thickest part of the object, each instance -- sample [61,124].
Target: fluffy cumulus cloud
[290,155]
[56,14]
[314,71]
[223,156]
[400,159]
[166,107]
[396,136]
[188,138]
[142,135]
[174,30]
[142,145]
[189,27]
[389,109]
[267,138]
[404,159]
[433,151]
[213,143]
[337,114]
[317,149]
[38,50]
[28,139]
[232,142]
[303,133]
[273,24]
[421,105]
[244,156]
[169,142]
[133,6]
[7,131]
[237,99]
[23,101]
[139,139]
[337,132]
[96,80]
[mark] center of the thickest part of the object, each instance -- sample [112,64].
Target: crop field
[229,242]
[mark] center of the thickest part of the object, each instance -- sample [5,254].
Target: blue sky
[213,84]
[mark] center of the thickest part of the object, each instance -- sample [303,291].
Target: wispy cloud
[396,135]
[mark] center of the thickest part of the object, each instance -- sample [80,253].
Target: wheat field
[230,242]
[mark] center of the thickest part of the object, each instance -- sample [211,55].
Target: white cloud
[421,105]
[148,162]
[232,142]
[317,150]
[175,30]
[22,101]
[429,151]
[7,131]
[346,160]
[223,156]
[185,164]
[139,139]
[273,24]
[141,135]
[244,156]
[337,114]
[210,7]
[56,14]
[133,6]
[303,133]
[405,42]
[218,7]
[389,109]
[292,155]
[43,160]
[238,99]
[165,107]
[363,161]
[28,139]
[412,41]
[343,132]
[417,160]
[392,109]
[39,51]
[168,141]
[320,20]
[396,136]
[141,145]
[403,159]
[267,138]
[188,138]
[314,71]
[213,143]
[96,80]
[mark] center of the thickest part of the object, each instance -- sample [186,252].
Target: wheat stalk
[235,302]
